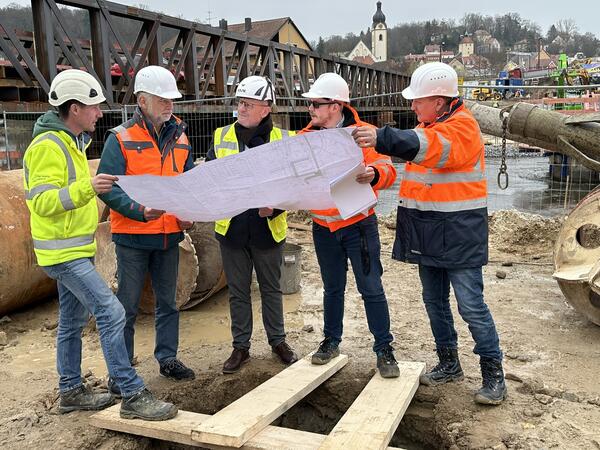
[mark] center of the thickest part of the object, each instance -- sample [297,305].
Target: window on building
[381,37]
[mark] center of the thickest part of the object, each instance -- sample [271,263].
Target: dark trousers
[468,290]
[360,244]
[238,264]
[132,266]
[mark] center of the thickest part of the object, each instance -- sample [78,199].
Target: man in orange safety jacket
[442,220]
[356,238]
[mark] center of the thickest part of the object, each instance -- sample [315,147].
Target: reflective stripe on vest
[63,195]
[61,244]
[226,144]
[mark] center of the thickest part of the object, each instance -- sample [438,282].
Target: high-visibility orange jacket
[385,175]
[442,212]
[143,157]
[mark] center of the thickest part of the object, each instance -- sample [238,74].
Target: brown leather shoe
[285,353]
[234,363]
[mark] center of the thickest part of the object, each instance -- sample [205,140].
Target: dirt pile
[514,231]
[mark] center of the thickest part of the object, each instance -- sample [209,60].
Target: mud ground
[552,359]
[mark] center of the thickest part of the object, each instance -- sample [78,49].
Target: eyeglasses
[248,105]
[317,105]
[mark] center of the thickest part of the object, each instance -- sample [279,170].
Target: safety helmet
[432,79]
[329,85]
[258,88]
[156,80]
[75,84]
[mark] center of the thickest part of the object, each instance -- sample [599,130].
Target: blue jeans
[132,266]
[468,290]
[81,290]
[360,244]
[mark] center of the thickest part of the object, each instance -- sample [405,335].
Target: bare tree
[566,28]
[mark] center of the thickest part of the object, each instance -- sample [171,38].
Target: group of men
[442,227]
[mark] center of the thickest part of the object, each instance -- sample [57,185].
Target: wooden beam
[43,35]
[100,49]
[179,430]
[246,417]
[372,419]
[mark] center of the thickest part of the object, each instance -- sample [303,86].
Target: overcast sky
[317,18]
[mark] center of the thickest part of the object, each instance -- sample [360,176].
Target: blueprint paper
[290,174]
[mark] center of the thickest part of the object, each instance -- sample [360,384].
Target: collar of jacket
[455,105]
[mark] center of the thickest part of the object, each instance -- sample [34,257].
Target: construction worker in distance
[61,197]
[255,237]
[442,222]
[152,142]
[357,238]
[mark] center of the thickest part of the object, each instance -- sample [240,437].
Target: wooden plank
[179,430]
[241,420]
[374,416]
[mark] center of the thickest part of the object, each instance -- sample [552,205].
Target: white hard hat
[432,79]
[75,84]
[329,85]
[156,80]
[258,88]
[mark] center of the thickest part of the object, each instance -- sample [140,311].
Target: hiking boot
[285,353]
[145,406]
[448,369]
[239,356]
[493,390]
[328,349]
[387,364]
[83,399]
[176,370]
[113,389]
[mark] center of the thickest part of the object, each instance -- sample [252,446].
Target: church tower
[379,35]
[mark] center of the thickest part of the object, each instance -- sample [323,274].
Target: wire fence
[542,183]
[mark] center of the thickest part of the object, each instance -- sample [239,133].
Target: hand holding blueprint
[290,174]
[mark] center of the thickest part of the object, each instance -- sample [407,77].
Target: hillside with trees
[509,29]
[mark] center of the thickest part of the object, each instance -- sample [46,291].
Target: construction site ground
[552,358]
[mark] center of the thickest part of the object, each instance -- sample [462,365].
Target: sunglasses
[316,105]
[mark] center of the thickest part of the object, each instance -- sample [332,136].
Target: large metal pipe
[575,136]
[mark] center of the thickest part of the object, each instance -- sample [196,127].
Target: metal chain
[502,171]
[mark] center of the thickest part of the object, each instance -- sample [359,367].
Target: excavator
[577,248]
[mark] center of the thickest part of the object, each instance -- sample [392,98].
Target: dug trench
[551,359]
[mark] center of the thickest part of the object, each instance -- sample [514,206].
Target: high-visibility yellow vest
[225,143]
[60,198]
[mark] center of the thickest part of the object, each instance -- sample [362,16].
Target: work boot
[83,399]
[493,390]
[387,364]
[176,370]
[448,369]
[145,406]
[328,349]
[234,363]
[113,389]
[285,353]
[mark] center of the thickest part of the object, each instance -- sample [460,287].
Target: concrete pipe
[577,257]
[22,281]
